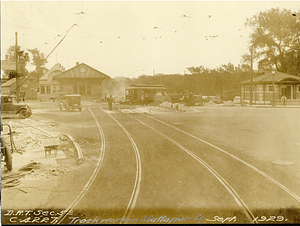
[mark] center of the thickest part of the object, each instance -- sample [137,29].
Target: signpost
[8,65]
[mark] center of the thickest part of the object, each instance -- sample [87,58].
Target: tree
[23,59]
[198,70]
[275,38]
[39,61]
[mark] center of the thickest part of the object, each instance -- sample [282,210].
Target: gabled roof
[268,78]
[13,81]
[81,71]
[56,67]
[9,82]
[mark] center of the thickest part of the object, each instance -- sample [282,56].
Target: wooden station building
[284,84]
[81,79]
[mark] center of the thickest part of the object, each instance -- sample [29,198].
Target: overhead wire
[31,73]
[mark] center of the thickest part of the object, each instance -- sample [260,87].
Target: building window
[48,89]
[42,89]
[247,88]
[75,89]
[270,88]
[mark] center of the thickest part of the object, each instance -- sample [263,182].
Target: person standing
[283,98]
[110,101]
[142,100]
[146,99]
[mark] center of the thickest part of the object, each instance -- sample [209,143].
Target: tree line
[200,80]
[273,42]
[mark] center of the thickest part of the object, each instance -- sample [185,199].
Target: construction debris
[31,166]
[48,171]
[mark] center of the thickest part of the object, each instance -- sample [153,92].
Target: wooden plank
[49,142]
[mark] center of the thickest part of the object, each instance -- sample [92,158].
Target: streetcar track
[95,173]
[225,184]
[292,194]
[138,178]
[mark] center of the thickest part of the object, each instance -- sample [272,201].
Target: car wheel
[29,113]
[22,114]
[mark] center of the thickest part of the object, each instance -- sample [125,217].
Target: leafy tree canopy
[38,60]
[22,62]
[275,39]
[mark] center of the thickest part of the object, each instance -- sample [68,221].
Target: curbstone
[78,149]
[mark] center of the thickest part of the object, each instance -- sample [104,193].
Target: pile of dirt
[175,107]
[30,166]
[47,171]
[161,97]
[214,102]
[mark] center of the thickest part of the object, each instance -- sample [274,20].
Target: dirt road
[208,165]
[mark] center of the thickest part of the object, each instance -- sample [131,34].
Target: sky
[132,38]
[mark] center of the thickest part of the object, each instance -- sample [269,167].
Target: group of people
[144,100]
[188,98]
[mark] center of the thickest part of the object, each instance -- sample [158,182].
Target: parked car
[70,102]
[9,106]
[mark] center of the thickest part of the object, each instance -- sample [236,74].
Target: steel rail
[225,184]
[92,178]
[138,178]
[292,194]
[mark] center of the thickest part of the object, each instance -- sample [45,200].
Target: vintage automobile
[70,102]
[9,106]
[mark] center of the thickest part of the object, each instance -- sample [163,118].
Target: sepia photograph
[150,112]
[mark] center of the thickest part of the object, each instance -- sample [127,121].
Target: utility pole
[17,75]
[153,76]
[251,77]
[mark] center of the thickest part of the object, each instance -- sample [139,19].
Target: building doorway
[288,92]
[82,89]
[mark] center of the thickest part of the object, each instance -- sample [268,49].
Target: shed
[284,84]
[28,88]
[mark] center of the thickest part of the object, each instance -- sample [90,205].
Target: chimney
[77,63]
